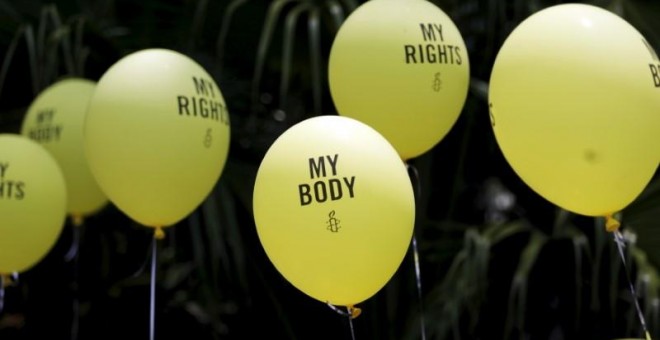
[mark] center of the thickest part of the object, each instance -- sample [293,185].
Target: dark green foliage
[498,261]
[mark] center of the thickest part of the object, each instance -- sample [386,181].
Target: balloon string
[152,292]
[3,278]
[72,255]
[75,305]
[414,176]
[351,313]
[418,279]
[350,325]
[6,280]
[159,234]
[77,222]
[621,244]
[75,255]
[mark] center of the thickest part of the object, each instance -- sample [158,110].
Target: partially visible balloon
[334,209]
[402,68]
[157,135]
[575,107]
[55,120]
[32,203]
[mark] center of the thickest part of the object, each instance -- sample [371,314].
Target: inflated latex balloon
[334,209]
[575,107]
[32,203]
[157,135]
[402,68]
[55,120]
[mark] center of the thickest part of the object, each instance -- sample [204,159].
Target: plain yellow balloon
[400,66]
[157,135]
[575,107]
[55,120]
[334,209]
[32,203]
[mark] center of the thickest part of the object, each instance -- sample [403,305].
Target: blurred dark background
[497,260]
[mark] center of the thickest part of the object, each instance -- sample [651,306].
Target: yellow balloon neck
[353,311]
[159,234]
[648,336]
[611,223]
[77,220]
[6,280]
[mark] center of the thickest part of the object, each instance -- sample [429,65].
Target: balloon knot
[77,220]
[6,280]
[611,224]
[354,311]
[159,234]
[351,311]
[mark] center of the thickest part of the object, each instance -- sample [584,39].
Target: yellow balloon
[55,120]
[334,209]
[402,68]
[157,135]
[32,203]
[575,107]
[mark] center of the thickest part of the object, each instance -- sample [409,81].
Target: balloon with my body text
[55,120]
[157,135]
[402,68]
[334,208]
[575,107]
[32,203]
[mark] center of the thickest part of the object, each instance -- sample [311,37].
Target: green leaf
[517,305]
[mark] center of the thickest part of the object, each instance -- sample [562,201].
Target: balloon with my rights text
[33,202]
[402,68]
[157,135]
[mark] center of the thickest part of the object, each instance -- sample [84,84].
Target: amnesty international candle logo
[328,186]
[46,130]
[333,222]
[208,138]
[9,188]
[437,82]
[434,50]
